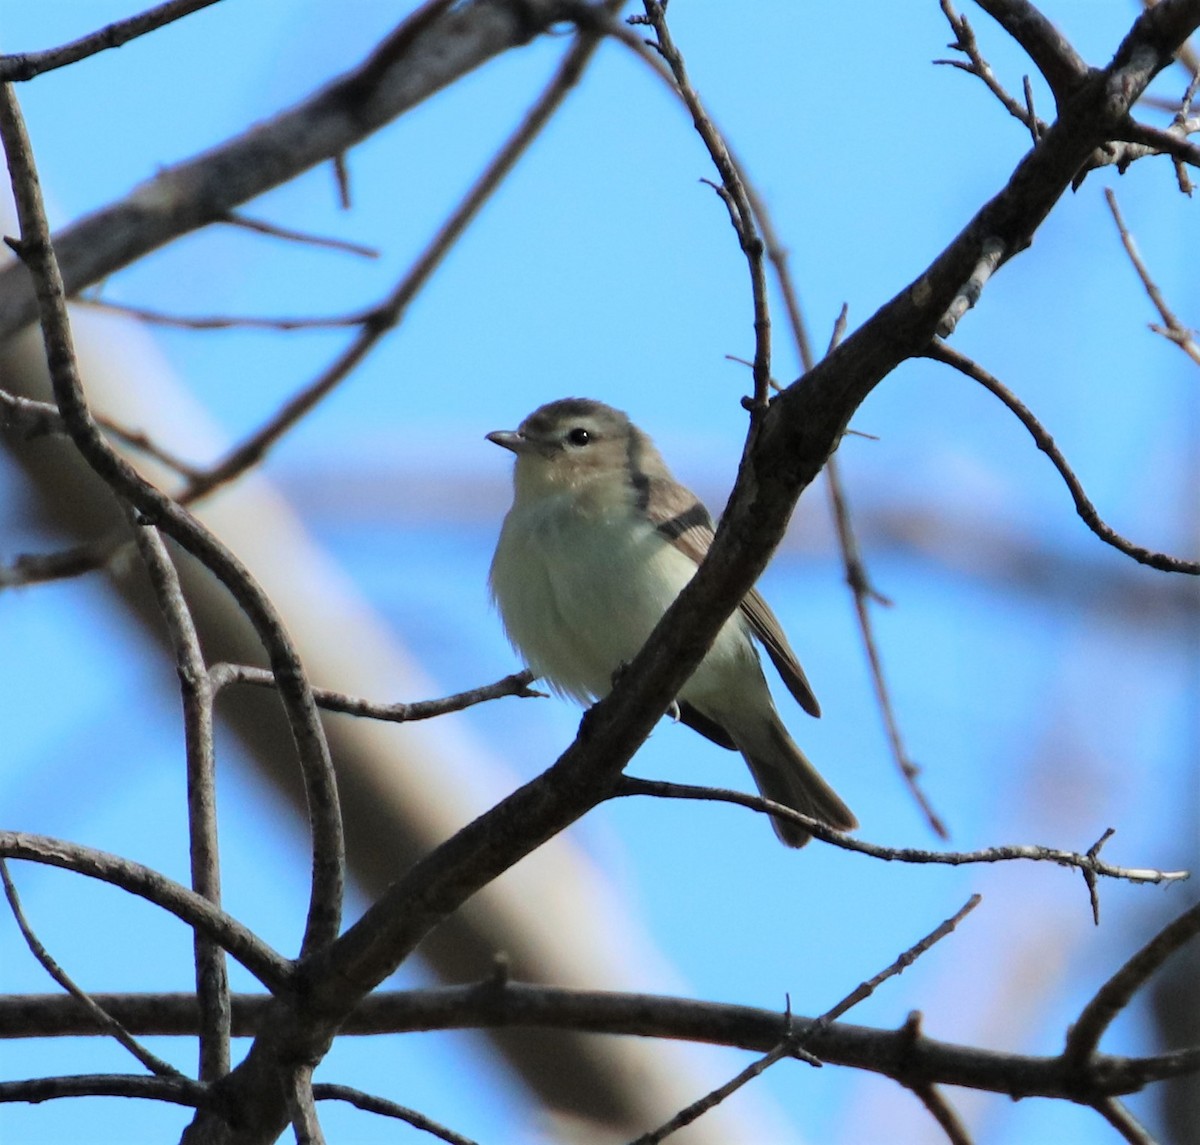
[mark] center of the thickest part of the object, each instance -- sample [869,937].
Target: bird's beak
[511,439]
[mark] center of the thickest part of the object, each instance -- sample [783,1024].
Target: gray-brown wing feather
[682,518]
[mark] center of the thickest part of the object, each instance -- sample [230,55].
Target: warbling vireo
[599,541]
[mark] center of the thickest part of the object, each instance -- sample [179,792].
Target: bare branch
[1119,990]
[733,191]
[1124,1122]
[37,253]
[269,967]
[862,992]
[976,65]
[943,1113]
[906,1054]
[274,230]
[940,352]
[435,45]
[863,592]
[176,1090]
[399,713]
[1175,330]
[390,312]
[631,785]
[212,977]
[792,1043]
[32,419]
[857,577]
[710,1100]
[1061,66]
[99,1017]
[41,568]
[302,1107]
[371,1104]
[225,321]
[26,65]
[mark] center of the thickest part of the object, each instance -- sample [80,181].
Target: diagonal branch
[1119,990]
[1172,329]
[100,1018]
[25,65]
[369,1103]
[37,254]
[268,966]
[1061,66]
[941,352]
[389,313]
[437,44]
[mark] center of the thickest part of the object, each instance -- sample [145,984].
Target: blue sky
[1046,684]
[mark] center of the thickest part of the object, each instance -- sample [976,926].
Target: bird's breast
[581,588]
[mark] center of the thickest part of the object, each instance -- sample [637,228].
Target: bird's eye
[579,436]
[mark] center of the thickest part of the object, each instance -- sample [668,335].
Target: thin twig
[324,1091]
[792,1044]
[341,173]
[1118,1116]
[260,226]
[733,190]
[212,976]
[857,577]
[940,352]
[224,321]
[43,568]
[714,1098]
[863,592]
[863,991]
[26,65]
[1175,331]
[37,253]
[266,964]
[1089,876]
[943,1113]
[33,419]
[515,685]
[976,65]
[1035,125]
[1118,991]
[391,311]
[105,1021]
[632,785]
[177,1090]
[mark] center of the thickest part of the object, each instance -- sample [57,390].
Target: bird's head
[576,444]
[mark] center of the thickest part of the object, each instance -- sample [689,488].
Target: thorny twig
[632,785]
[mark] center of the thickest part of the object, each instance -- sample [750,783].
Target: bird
[599,541]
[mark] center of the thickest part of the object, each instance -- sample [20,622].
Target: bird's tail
[784,775]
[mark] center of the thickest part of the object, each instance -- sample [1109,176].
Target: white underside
[579,596]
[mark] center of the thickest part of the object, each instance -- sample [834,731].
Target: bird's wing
[768,629]
[685,522]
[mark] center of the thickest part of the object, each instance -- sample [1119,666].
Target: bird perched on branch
[599,541]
